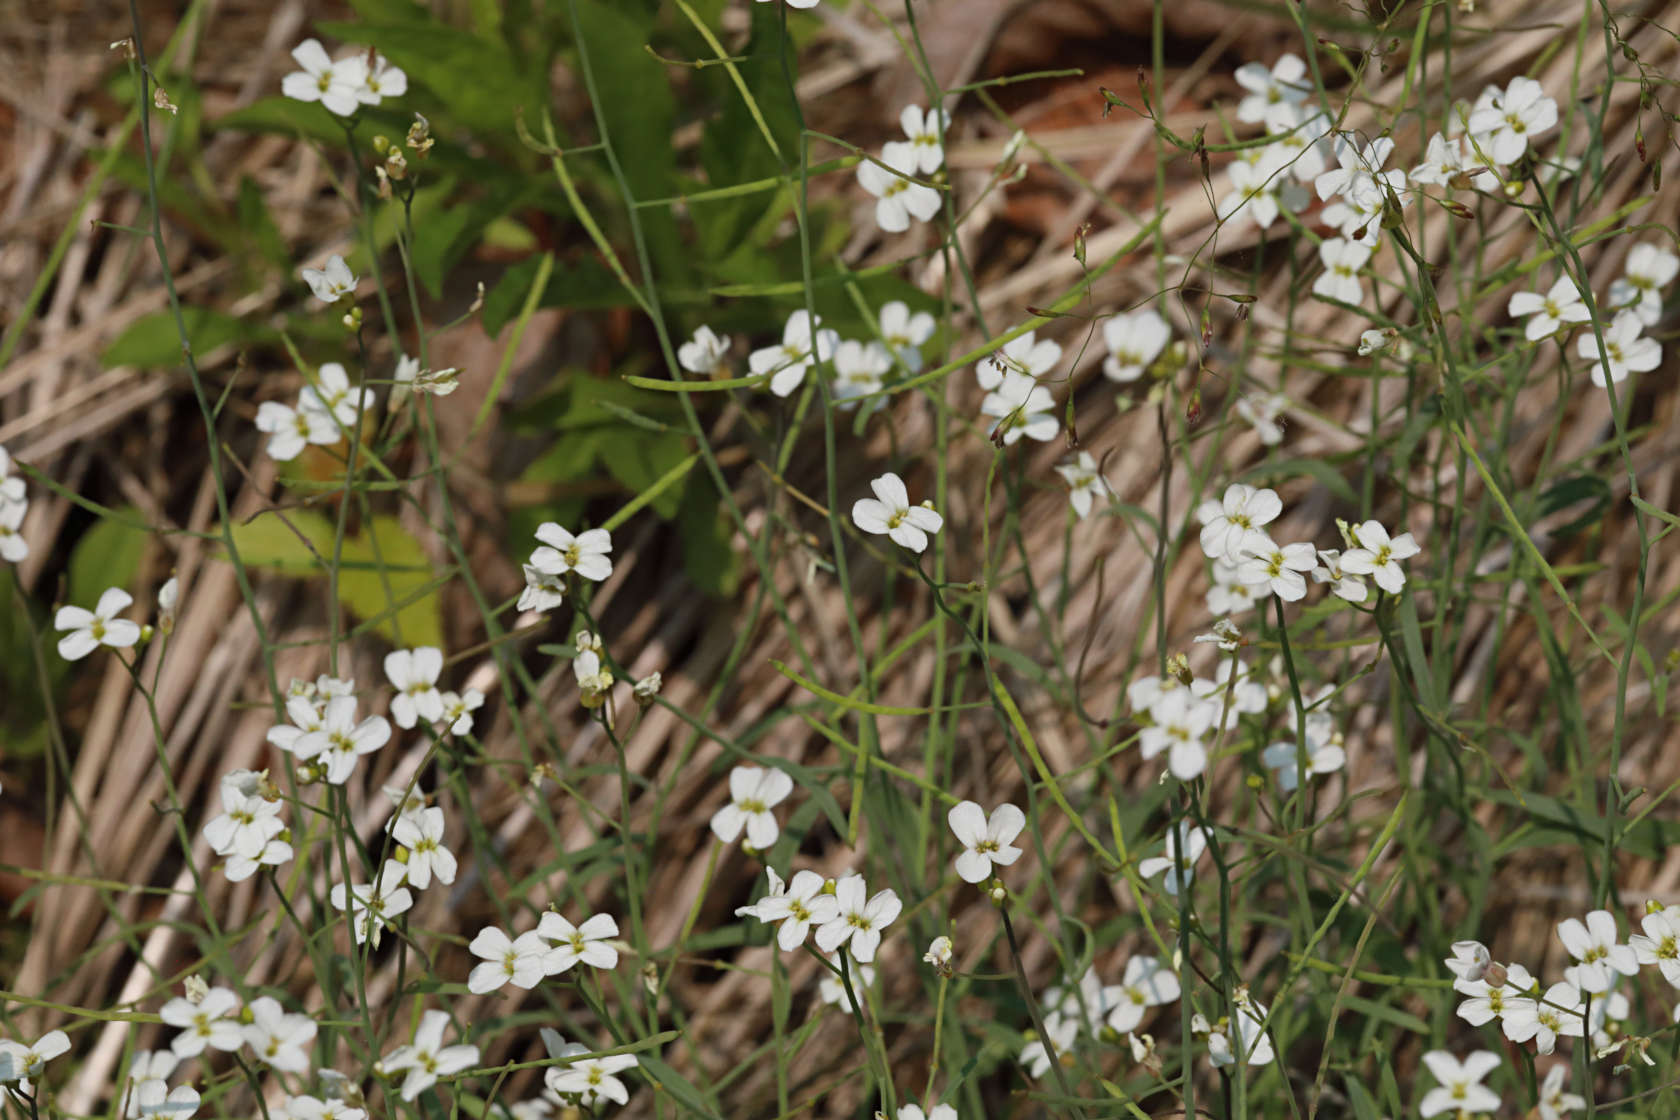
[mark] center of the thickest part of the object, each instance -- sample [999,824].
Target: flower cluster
[344,84]
[893,178]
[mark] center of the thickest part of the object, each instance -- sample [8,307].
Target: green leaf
[261,234]
[287,117]
[637,112]
[108,555]
[584,284]
[154,341]
[708,554]
[376,569]
[480,81]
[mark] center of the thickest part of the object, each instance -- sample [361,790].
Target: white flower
[148,1066]
[332,283]
[569,945]
[278,1037]
[519,961]
[1322,758]
[1241,1036]
[421,832]
[1180,722]
[246,825]
[12,488]
[890,512]
[213,1021]
[753,792]
[1086,485]
[333,84]
[797,3]
[380,80]
[939,953]
[1146,983]
[1134,341]
[798,905]
[1089,1000]
[1298,147]
[1185,845]
[88,630]
[1460,1091]
[1359,170]
[1660,943]
[1648,270]
[1224,634]
[905,333]
[414,673]
[1059,1033]
[1228,595]
[1470,960]
[290,430]
[333,394]
[594,679]
[1504,126]
[1594,945]
[1443,162]
[1023,408]
[1624,350]
[924,130]
[1342,261]
[1342,584]
[1277,568]
[898,199]
[238,868]
[1550,312]
[342,740]
[985,842]
[592,1080]
[1544,1019]
[1026,354]
[587,554]
[789,362]
[1486,1001]
[304,1107]
[427,1058]
[704,352]
[1378,556]
[1227,522]
[1262,410]
[458,709]
[18,1061]
[306,716]
[13,548]
[1554,1102]
[832,990]
[1253,195]
[543,592]
[1356,214]
[937,1112]
[1286,82]
[859,920]
[859,369]
[374,904]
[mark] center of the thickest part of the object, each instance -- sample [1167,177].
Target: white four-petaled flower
[753,792]
[890,512]
[88,630]
[985,841]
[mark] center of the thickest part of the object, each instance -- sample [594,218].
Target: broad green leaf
[480,81]
[107,555]
[370,578]
[154,340]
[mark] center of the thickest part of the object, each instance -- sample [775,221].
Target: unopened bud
[1495,975]
[196,989]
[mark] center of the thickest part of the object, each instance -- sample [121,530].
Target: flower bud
[196,989]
